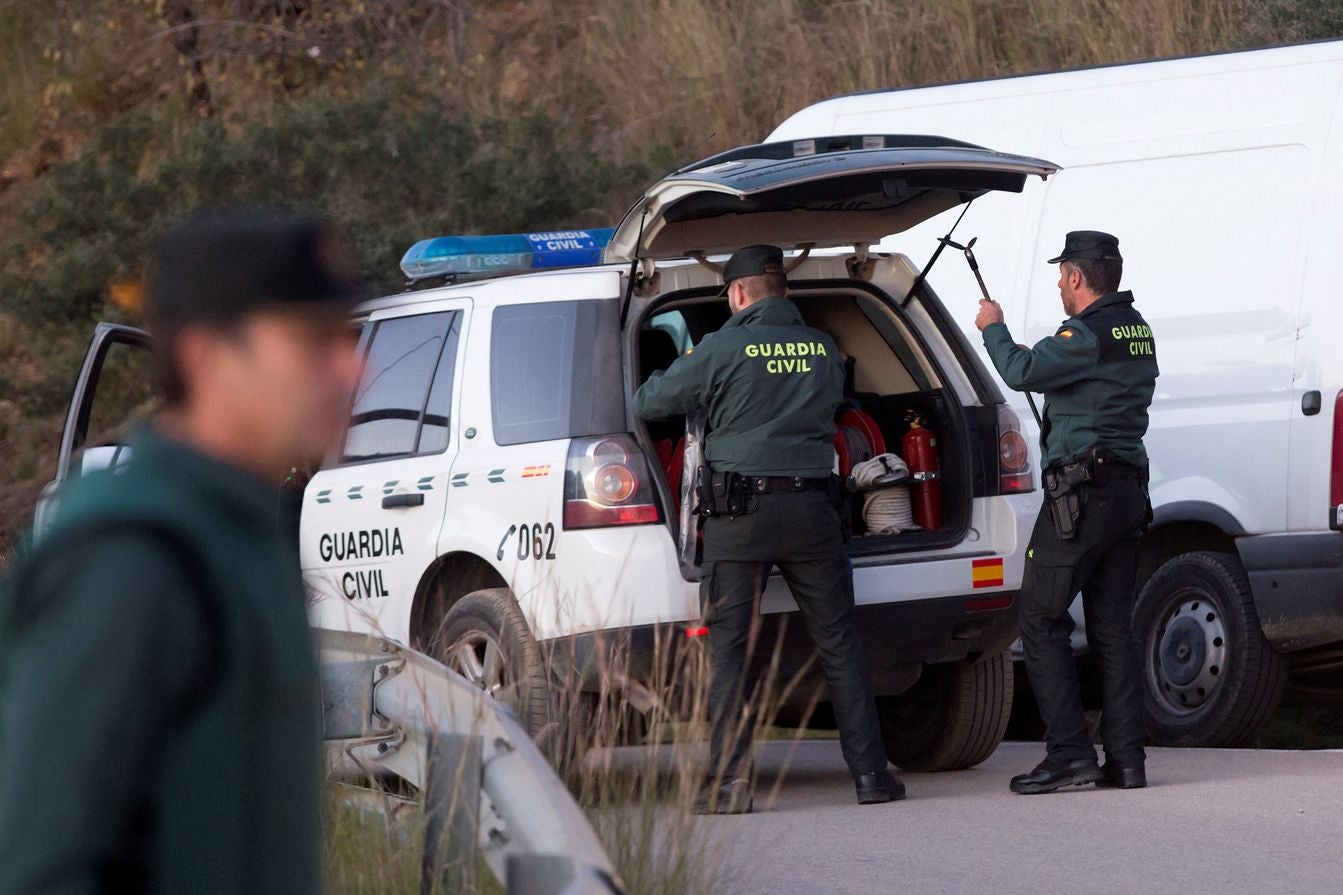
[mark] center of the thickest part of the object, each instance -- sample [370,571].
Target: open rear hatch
[832,191]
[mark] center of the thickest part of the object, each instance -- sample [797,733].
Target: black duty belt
[1095,461]
[765,484]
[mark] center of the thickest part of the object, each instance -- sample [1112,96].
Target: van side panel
[1216,174]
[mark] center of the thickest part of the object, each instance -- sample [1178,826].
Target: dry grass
[634,755]
[696,75]
[709,74]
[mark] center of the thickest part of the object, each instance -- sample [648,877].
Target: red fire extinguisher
[925,490]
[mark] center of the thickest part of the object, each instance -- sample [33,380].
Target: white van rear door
[832,191]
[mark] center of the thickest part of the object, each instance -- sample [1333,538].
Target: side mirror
[108,456]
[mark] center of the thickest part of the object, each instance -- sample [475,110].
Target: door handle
[1311,402]
[402,500]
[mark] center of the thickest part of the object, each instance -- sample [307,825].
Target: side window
[399,381]
[555,371]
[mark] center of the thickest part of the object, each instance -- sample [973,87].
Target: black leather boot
[729,797]
[1050,776]
[878,787]
[1117,776]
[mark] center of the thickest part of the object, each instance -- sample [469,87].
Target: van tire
[478,624]
[1210,678]
[953,718]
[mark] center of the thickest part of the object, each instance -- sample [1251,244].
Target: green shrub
[389,166]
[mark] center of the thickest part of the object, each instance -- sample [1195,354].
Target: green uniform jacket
[159,725]
[771,385]
[1098,373]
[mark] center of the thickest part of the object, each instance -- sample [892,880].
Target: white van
[495,495]
[1222,176]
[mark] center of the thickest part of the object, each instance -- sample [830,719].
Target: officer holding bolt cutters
[1098,373]
[771,386]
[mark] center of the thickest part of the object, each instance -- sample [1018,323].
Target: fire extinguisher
[925,491]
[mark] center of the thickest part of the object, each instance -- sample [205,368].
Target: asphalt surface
[1211,821]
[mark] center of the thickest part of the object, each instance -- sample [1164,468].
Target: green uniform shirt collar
[225,485]
[777,311]
[1108,300]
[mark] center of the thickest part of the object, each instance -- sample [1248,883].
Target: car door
[807,194]
[111,395]
[371,516]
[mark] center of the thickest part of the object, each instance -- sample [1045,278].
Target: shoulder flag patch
[1065,334]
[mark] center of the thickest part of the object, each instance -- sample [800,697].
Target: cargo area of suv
[891,384]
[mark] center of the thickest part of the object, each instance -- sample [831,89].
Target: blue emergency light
[462,257]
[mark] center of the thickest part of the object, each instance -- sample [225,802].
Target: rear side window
[402,404]
[555,371]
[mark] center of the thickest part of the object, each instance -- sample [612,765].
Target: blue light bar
[460,257]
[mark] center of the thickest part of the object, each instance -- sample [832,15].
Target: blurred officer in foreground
[768,501]
[1098,373]
[159,725]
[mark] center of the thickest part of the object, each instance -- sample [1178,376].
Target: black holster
[1066,491]
[725,494]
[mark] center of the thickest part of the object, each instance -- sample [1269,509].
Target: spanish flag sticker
[987,572]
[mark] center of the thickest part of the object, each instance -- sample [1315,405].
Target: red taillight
[1014,455]
[987,604]
[701,631]
[606,483]
[1336,466]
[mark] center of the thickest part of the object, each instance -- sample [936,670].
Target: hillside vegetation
[407,119]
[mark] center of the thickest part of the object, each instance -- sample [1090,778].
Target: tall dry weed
[692,75]
[709,74]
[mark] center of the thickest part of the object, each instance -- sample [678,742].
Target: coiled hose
[886,506]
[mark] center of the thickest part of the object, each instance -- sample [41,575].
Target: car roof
[493,289]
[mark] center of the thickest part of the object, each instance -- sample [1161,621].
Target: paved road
[1212,821]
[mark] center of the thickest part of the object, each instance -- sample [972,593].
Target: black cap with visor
[220,265]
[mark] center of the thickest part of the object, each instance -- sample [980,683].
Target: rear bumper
[898,640]
[1297,582]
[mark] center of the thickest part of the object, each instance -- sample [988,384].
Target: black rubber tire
[1251,676]
[495,614]
[952,719]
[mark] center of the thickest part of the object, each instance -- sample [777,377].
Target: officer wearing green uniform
[159,725]
[771,386]
[1098,373]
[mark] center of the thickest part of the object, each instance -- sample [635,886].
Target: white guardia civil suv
[495,493]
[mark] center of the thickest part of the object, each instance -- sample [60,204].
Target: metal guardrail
[486,788]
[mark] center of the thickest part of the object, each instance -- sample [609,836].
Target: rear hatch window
[848,191]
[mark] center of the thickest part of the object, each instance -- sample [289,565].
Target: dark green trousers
[800,534]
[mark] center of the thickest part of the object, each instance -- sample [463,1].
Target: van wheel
[1210,677]
[953,718]
[485,638]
